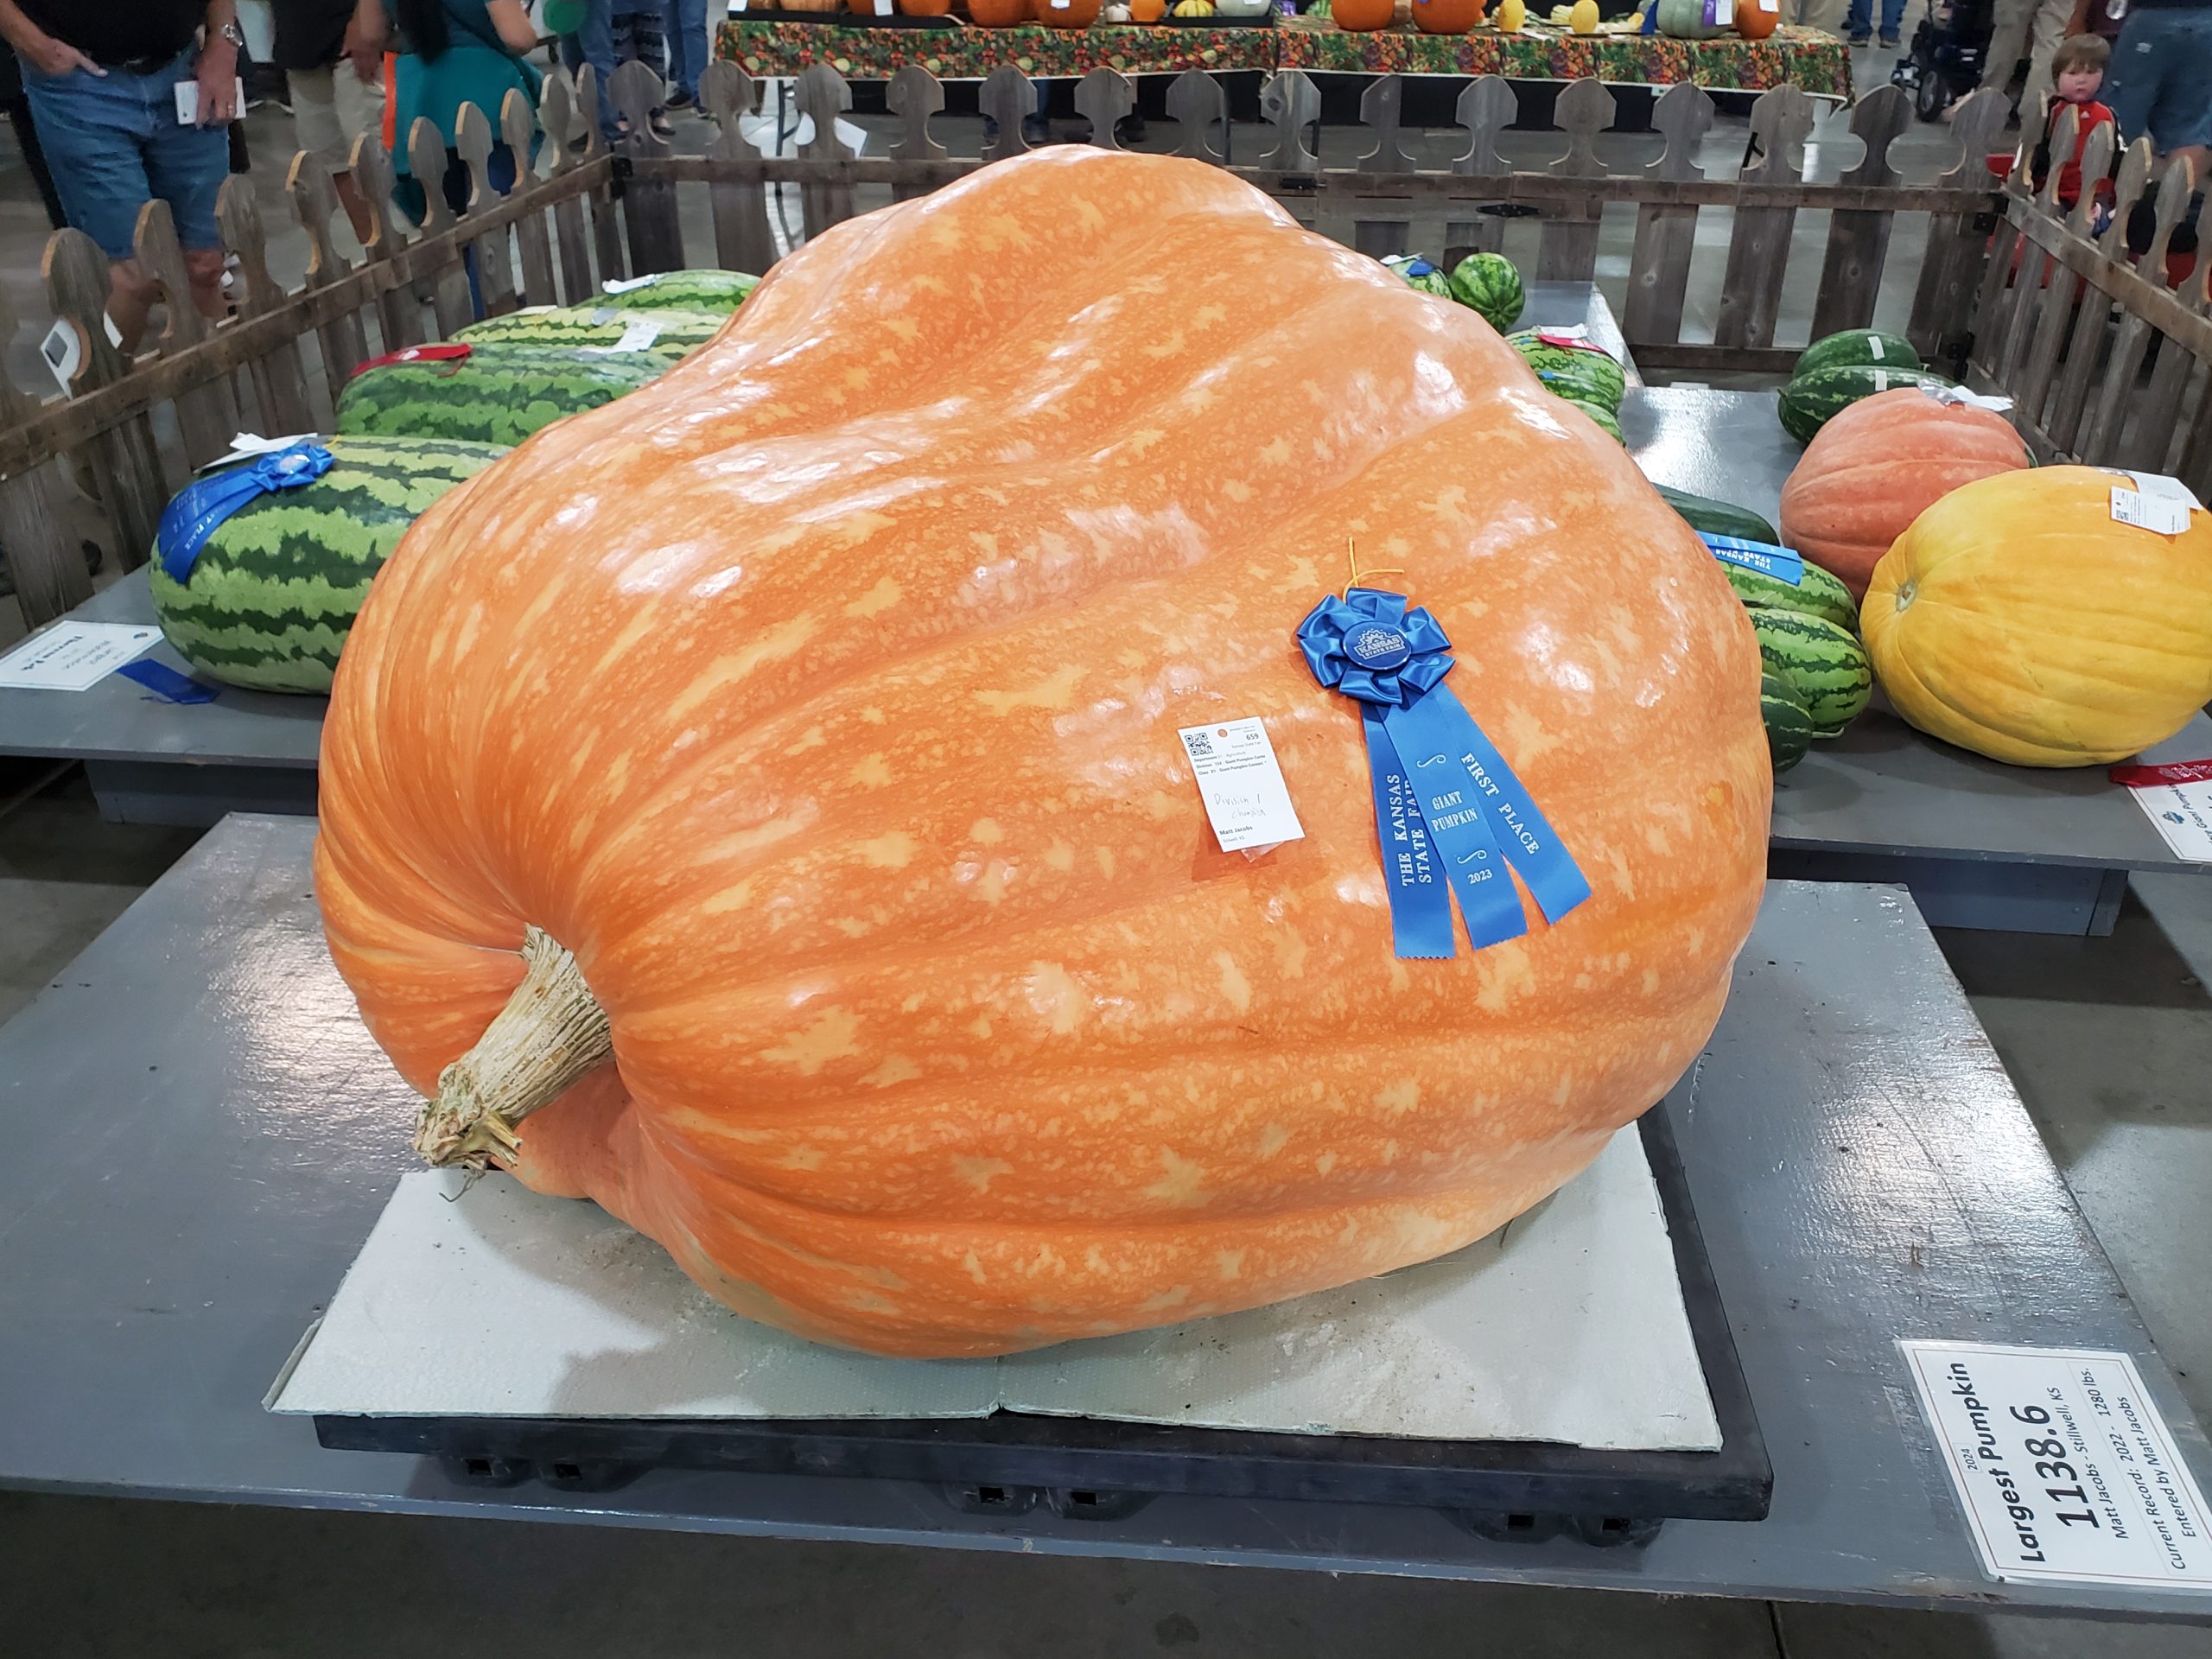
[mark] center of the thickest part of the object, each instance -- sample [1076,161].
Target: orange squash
[1756,19]
[998,14]
[925,8]
[1148,11]
[1359,16]
[822,698]
[1446,16]
[1877,466]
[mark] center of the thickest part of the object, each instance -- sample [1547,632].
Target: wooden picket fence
[579,216]
[2068,325]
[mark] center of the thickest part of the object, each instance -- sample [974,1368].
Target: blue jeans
[2161,79]
[594,44]
[1856,21]
[113,143]
[689,52]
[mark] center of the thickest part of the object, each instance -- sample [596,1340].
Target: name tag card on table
[74,656]
[2065,1469]
[2177,799]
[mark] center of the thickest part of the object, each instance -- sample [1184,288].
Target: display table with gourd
[1981,842]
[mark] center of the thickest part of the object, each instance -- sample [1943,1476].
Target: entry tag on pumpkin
[198,510]
[2158,513]
[1447,802]
[1783,564]
[2177,799]
[1241,783]
[2158,484]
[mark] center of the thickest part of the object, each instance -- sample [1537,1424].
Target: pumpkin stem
[550,1033]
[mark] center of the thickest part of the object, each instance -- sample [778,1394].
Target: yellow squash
[2018,617]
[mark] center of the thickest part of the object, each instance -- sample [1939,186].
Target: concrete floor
[2108,1040]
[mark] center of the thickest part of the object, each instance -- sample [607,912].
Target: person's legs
[94,127]
[688,46]
[317,130]
[2181,113]
[2008,41]
[2046,29]
[1858,22]
[595,39]
[186,166]
[1892,20]
[19,117]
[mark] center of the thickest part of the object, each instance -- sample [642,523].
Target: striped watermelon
[1810,401]
[1818,594]
[1789,728]
[596,326]
[720,291]
[1703,513]
[275,589]
[1599,413]
[1868,346]
[1491,285]
[499,393]
[1585,372]
[1823,665]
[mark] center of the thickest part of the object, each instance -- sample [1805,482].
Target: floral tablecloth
[860,53]
[1812,58]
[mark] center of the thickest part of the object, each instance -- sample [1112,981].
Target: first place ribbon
[198,510]
[1449,811]
[1783,564]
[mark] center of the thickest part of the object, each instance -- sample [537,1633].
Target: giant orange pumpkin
[1879,465]
[822,699]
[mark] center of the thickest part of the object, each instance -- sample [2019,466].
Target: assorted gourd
[2018,617]
[824,833]
[1878,465]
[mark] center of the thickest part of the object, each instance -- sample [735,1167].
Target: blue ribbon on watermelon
[195,511]
[1783,564]
[1450,813]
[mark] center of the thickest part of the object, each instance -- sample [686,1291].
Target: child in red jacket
[2077,69]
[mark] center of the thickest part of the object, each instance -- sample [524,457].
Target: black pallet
[1093,1468]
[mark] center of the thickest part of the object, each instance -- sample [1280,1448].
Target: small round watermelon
[1573,369]
[268,603]
[1489,284]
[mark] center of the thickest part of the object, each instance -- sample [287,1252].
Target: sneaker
[1889,42]
[680,99]
[1859,37]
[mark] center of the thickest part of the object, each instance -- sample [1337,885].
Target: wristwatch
[234,34]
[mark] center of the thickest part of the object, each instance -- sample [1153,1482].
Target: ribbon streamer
[1449,812]
[166,684]
[1783,564]
[198,510]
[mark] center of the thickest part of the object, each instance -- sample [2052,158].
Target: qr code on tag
[1200,746]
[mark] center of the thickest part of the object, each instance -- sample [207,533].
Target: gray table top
[119,720]
[1882,787]
[182,1194]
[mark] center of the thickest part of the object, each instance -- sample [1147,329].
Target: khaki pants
[332,106]
[2030,29]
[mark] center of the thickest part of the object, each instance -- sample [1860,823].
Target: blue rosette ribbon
[195,511]
[1450,813]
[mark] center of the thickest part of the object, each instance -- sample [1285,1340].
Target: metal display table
[183,1194]
[1979,844]
[155,762]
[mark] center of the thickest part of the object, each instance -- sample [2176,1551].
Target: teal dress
[474,68]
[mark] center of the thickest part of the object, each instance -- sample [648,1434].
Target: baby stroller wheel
[1929,96]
